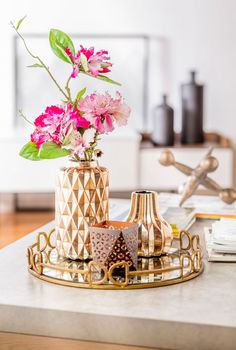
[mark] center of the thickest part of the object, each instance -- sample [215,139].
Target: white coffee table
[198,314]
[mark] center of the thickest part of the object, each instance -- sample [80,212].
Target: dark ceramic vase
[163,124]
[192,112]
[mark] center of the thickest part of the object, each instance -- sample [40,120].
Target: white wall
[200,34]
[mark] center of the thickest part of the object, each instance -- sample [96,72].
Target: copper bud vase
[154,233]
[82,200]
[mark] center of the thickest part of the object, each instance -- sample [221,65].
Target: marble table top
[198,314]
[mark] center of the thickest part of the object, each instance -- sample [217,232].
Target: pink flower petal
[108,123]
[75,71]
[40,121]
[54,110]
[99,125]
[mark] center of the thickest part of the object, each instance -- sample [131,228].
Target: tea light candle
[113,242]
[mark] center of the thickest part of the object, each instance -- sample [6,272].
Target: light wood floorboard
[13,341]
[16,225]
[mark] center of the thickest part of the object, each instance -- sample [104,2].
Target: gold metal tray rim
[36,266]
[114,287]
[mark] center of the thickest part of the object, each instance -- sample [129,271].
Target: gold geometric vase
[154,233]
[81,200]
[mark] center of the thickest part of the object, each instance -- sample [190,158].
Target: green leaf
[84,62]
[108,80]
[59,41]
[36,65]
[50,150]
[30,151]
[80,95]
[19,22]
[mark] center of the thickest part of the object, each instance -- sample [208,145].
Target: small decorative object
[198,176]
[154,234]
[163,124]
[192,112]
[180,265]
[113,242]
[73,128]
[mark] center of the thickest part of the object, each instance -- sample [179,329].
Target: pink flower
[78,151]
[40,137]
[76,144]
[103,111]
[74,115]
[98,63]
[55,123]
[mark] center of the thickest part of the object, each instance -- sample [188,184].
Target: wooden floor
[16,225]
[13,341]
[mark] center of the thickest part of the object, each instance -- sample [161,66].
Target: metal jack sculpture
[199,176]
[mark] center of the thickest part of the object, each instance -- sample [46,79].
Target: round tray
[183,263]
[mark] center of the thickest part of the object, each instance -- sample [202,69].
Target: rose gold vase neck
[145,202]
[82,164]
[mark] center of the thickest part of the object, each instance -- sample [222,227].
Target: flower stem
[40,61]
[24,117]
[68,89]
[93,144]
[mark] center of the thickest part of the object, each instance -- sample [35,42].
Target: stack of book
[221,240]
[179,218]
[206,207]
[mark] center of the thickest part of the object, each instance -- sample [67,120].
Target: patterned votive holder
[114,242]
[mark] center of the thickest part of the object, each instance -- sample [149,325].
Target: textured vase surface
[81,200]
[154,233]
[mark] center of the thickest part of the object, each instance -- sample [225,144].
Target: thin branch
[40,61]
[89,152]
[68,89]
[24,117]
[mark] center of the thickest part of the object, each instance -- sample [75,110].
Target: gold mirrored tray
[183,263]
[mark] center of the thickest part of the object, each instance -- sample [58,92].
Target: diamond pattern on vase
[113,242]
[81,200]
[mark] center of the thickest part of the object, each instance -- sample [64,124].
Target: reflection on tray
[153,267]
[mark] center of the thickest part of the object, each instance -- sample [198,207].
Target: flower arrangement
[74,127]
